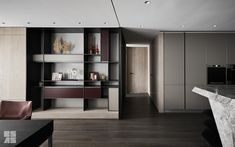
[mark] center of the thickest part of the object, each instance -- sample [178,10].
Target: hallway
[141,126]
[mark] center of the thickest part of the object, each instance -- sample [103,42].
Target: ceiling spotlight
[141,26]
[54,23]
[28,22]
[79,22]
[105,23]
[214,26]
[147,2]
[182,26]
[3,23]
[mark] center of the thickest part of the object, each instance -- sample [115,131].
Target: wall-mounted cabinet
[85,61]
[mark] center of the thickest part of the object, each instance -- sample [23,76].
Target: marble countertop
[222,102]
[223,90]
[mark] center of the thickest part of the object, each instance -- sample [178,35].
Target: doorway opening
[137,70]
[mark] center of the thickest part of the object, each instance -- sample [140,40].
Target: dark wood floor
[141,126]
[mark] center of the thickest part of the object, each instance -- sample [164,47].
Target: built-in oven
[231,74]
[216,75]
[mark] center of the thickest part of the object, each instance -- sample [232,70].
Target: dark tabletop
[28,132]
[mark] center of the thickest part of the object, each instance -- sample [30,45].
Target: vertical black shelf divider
[85,101]
[42,67]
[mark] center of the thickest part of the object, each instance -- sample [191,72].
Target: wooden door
[137,69]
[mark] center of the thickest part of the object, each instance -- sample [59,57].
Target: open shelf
[58,58]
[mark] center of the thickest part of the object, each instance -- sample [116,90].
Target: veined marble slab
[222,102]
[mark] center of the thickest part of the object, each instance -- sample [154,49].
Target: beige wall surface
[12,63]
[157,72]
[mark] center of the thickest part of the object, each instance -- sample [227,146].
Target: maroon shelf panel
[105,44]
[63,93]
[92,92]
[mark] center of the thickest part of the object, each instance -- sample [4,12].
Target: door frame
[148,65]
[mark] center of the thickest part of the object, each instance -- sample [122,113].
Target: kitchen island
[222,102]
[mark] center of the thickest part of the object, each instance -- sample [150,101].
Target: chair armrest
[27,117]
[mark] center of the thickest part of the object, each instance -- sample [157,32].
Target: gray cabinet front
[215,48]
[195,69]
[231,48]
[174,71]
[174,97]
[195,58]
[194,101]
[174,58]
[113,99]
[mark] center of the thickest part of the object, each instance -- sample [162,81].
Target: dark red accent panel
[63,93]
[92,92]
[104,44]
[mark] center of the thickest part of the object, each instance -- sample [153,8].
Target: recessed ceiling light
[141,26]
[54,23]
[79,22]
[28,22]
[105,23]
[147,2]
[3,23]
[182,26]
[214,26]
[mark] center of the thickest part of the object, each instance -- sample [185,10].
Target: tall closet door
[174,71]
[12,63]
[195,69]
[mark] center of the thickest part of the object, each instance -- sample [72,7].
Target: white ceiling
[171,15]
[65,13]
[141,21]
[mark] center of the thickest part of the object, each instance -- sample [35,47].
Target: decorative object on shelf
[56,76]
[74,74]
[93,75]
[57,46]
[102,77]
[61,46]
[97,50]
[93,45]
[67,47]
[90,51]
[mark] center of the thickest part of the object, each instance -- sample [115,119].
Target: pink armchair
[15,110]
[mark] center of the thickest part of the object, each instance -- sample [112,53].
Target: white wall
[157,72]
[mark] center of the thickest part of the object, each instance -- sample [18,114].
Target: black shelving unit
[42,62]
